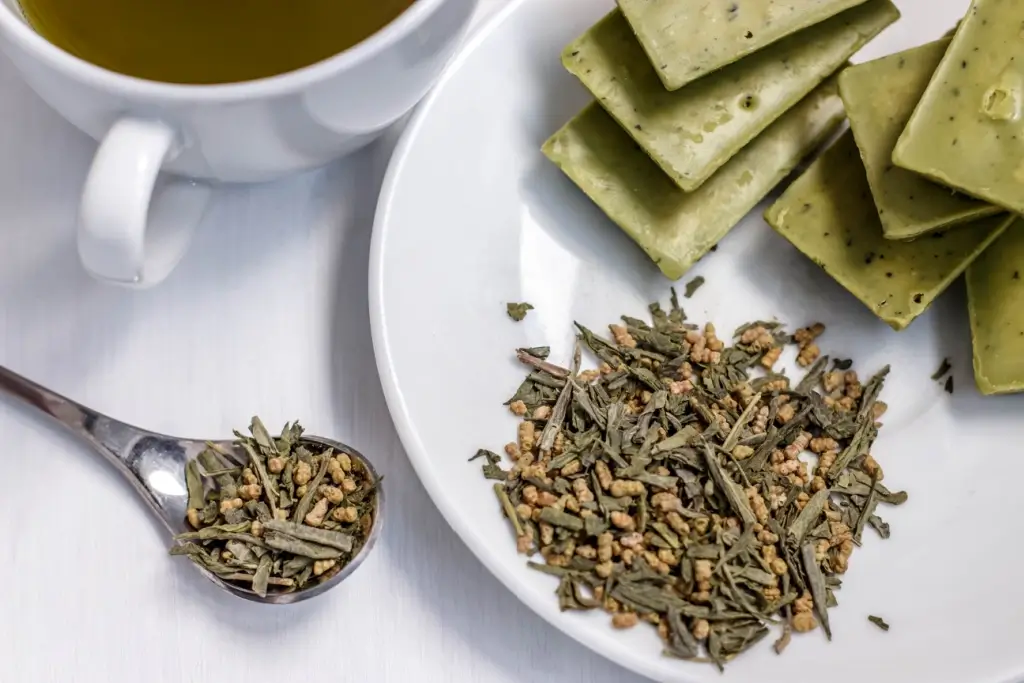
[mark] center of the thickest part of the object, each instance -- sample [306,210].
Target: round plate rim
[407,434]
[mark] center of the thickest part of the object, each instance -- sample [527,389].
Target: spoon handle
[154,464]
[109,437]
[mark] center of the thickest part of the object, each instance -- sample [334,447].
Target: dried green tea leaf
[571,596]
[312,489]
[737,429]
[783,642]
[540,352]
[737,499]
[518,311]
[194,484]
[270,489]
[333,539]
[295,566]
[869,509]
[684,437]
[881,527]
[214,534]
[648,598]
[211,461]
[528,357]
[508,509]
[693,285]
[841,364]
[491,469]
[808,516]
[239,533]
[554,424]
[262,436]
[244,577]
[681,642]
[944,368]
[879,622]
[261,579]
[295,546]
[186,549]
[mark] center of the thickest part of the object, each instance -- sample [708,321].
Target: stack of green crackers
[701,108]
[928,183]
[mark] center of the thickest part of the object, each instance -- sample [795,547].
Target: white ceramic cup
[134,223]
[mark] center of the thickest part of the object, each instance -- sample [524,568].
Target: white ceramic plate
[473,216]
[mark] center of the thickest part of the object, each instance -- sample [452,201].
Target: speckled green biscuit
[827,214]
[676,228]
[692,132]
[967,132]
[880,96]
[685,39]
[995,291]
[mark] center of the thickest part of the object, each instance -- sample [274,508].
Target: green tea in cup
[208,41]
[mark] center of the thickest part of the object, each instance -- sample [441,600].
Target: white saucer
[472,216]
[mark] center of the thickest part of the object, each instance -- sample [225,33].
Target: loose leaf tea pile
[688,484]
[287,515]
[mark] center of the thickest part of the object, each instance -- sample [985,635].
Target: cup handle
[133,230]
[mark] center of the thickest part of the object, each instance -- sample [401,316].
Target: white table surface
[267,315]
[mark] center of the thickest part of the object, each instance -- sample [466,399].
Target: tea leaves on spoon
[491,469]
[242,577]
[194,484]
[261,579]
[297,546]
[326,537]
[293,516]
[312,489]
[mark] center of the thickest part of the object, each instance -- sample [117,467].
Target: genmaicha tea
[690,484]
[208,41]
[286,515]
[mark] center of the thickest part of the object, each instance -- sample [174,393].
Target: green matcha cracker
[829,216]
[967,131]
[692,132]
[995,291]
[676,228]
[686,39]
[880,96]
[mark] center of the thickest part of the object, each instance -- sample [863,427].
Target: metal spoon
[155,466]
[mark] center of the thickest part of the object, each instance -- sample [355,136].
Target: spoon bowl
[154,464]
